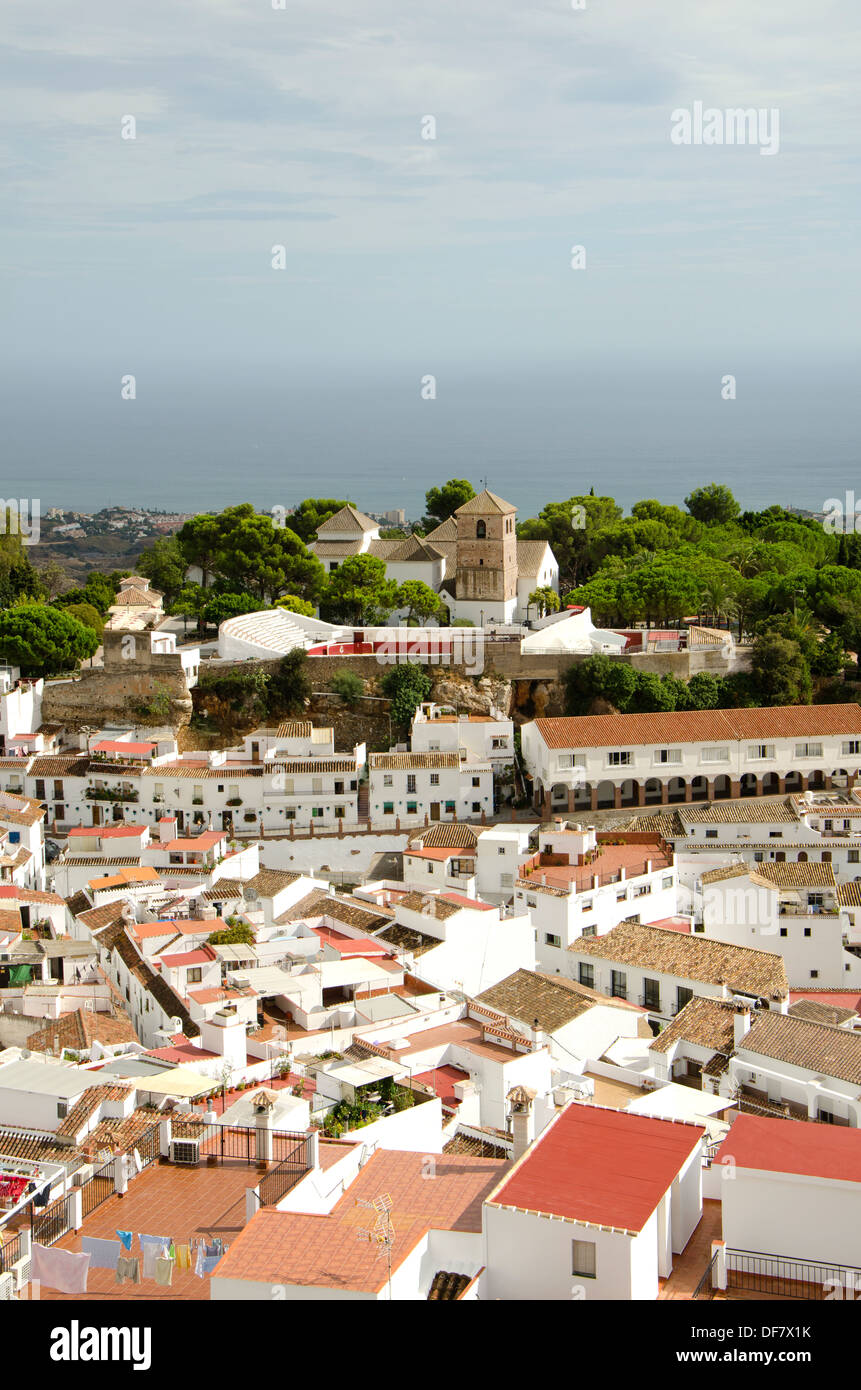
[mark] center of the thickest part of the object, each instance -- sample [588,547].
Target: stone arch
[605,795]
[748,784]
[817,779]
[629,792]
[480,530]
[802,857]
[770,784]
[722,787]
[676,789]
[699,789]
[653,792]
[793,782]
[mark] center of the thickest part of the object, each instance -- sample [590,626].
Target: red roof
[838,999]
[183,1052]
[604,1167]
[467,902]
[208,840]
[682,924]
[137,750]
[794,1146]
[203,956]
[441,1081]
[348,946]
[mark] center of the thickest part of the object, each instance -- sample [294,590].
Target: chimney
[596,882]
[166,829]
[224,1033]
[740,1022]
[522,1119]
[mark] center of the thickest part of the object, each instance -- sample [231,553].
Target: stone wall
[111,695]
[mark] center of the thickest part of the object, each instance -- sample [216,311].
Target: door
[97,815]
[434,810]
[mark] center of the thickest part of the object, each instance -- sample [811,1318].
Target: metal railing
[98,1188]
[54,1222]
[289,1171]
[149,1145]
[238,1143]
[788,1277]
[10,1251]
[704,1288]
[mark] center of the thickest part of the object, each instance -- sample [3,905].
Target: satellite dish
[251,895]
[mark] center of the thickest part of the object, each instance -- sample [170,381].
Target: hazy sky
[303,126]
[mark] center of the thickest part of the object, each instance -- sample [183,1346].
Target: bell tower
[486,549]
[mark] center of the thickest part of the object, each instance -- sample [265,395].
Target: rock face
[537,700]
[482,696]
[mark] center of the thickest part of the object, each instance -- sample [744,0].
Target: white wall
[787,1214]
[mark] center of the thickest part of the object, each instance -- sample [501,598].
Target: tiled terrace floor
[171,1201]
[691,1265]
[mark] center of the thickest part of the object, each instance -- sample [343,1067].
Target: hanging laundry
[126,1238]
[103,1253]
[183,1257]
[63,1270]
[164,1270]
[152,1247]
[128,1269]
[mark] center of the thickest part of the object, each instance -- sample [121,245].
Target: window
[622,896]
[290,814]
[711,834]
[783,931]
[618,984]
[589,931]
[583,1259]
[714,754]
[411,808]
[339,812]
[775,834]
[411,782]
[476,781]
[586,906]
[339,788]
[652,994]
[499,743]
[814,974]
[388,808]
[667,881]
[852,856]
[449,808]
[807,931]
[195,975]
[480,530]
[500,849]
[808,750]
[829,825]
[619,759]
[759,752]
[642,890]
[476,807]
[853,746]
[434,779]
[62,1109]
[668,755]
[430,868]
[758,856]
[387,780]
[317,811]
[506,880]
[551,940]
[683,996]
[587,976]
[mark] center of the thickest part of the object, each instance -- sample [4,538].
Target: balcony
[108,794]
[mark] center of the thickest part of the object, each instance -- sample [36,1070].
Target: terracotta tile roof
[700,726]
[809,875]
[165,772]
[116,938]
[223,889]
[747,812]
[406,939]
[132,597]
[293,1248]
[849,895]
[37,1146]
[95,918]
[447,1286]
[79,1030]
[60,765]
[530,557]
[447,835]
[728,871]
[413,548]
[294,728]
[704,1022]
[349,519]
[527,995]
[697,958]
[812,1046]
[447,531]
[390,762]
[88,1104]
[305,765]
[483,503]
[430,905]
[321,903]
[816,1011]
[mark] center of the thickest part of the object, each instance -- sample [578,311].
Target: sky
[407,257]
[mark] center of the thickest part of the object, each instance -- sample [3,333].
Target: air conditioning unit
[20,1272]
[7,1288]
[185,1151]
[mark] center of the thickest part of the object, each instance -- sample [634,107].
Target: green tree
[779,672]
[295,605]
[713,504]
[703,691]
[421,601]
[240,934]
[220,607]
[43,640]
[349,686]
[598,678]
[190,603]
[164,565]
[406,687]
[546,600]
[310,515]
[88,615]
[443,502]
[359,591]
[250,553]
[569,528]
[289,687]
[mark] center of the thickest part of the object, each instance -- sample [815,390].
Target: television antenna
[382,1233]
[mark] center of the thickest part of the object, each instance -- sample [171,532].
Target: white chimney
[522,1119]
[224,1033]
[166,829]
[740,1023]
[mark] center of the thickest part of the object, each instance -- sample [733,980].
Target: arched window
[480,530]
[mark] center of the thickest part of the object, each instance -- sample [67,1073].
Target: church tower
[486,550]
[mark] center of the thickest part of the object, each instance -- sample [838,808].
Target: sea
[192,440]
